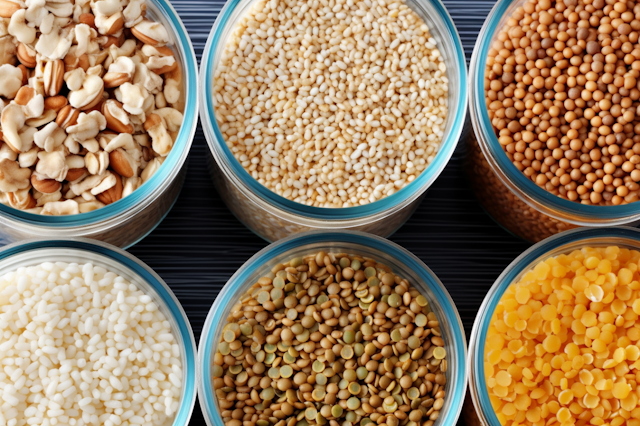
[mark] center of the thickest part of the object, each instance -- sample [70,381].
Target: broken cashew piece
[149,32]
[157,129]
[12,120]
[11,78]
[89,95]
[12,177]
[60,208]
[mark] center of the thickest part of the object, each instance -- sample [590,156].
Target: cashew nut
[20,30]
[12,177]
[88,127]
[12,120]
[60,208]
[49,137]
[52,165]
[11,78]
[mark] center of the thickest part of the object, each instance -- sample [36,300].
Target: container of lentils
[91,336]
[332,328]
[554,94]
[336,117]
[556,338]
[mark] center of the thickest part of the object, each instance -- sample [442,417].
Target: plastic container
[82,250]
[130,219]
[512,199]
[273,217]
[553,246]
[400,260]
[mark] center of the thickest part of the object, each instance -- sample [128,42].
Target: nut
[55,103]
[11,78]
[67,116]
[46,186]
[120,71]
[8,8]
[151,33]
[60,208]
[26,56]
[46,117]
[122,163]
[112,194]
[52,165]
[21,199]
[117,118]
[88,19]
[156,127]
[53,77]
[97,163]
[49,137]
[12,120]
[24,95]
[12,177]
[88,126]
[19,29]
[75,174]
[7,50]
[89,95]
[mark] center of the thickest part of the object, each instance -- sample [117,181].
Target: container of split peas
[554,94]
[328,116]
[332,328]
[557,338]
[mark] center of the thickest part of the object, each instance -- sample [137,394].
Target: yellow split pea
[564,342]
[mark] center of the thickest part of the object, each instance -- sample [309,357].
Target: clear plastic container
[273,217]
[558,244]
[512,199]
[130,219]
[82,250]
[398,259]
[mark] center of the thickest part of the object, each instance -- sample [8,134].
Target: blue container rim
[172,162]
[523,262]
[458,384]
[148,275]
[408,193]
[619,214]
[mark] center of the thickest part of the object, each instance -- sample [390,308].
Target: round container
[130,219]
[398,259]
[512,199]
[82,250]
[272,216]
[553,246]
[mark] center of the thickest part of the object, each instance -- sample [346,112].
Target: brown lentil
[561,88]
[345,358]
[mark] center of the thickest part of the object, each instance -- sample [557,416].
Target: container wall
[503,205]
[122,231]
[272,224]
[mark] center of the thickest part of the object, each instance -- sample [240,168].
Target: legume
[83,346]
[332,104]
[562,93]
[563,342]
[373,379]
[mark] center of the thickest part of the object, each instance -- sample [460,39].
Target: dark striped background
[200,243]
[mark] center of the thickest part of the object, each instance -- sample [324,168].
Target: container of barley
[91,335]
[99,106]
[339,127]
[556,338]
[337,328]
[553,100]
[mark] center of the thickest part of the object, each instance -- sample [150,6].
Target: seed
[318,366]
[353,403]
[354,388]
[286,371]
[229,336]
[396,336]
[394,300]
[369,272]
[346,352]
[439,353]
[321,379]
[421,320]
[349,336]
[278,282]
[336,411]
[422,301]
[310,413]
[217,371]
[350,376]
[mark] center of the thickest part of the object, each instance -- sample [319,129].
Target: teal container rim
[564,208]
[410,192]
[148,275]
[172,162]
[477,380]
[458,384]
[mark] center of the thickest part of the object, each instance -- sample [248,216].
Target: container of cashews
[98,111]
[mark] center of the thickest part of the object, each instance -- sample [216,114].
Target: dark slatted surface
[200,243]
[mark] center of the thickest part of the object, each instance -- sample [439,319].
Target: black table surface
[200,244]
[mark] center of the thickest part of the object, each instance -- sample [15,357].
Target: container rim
[477,382]
[172,163]
[145,273]
[411,192]
[458,384]
[514,179]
